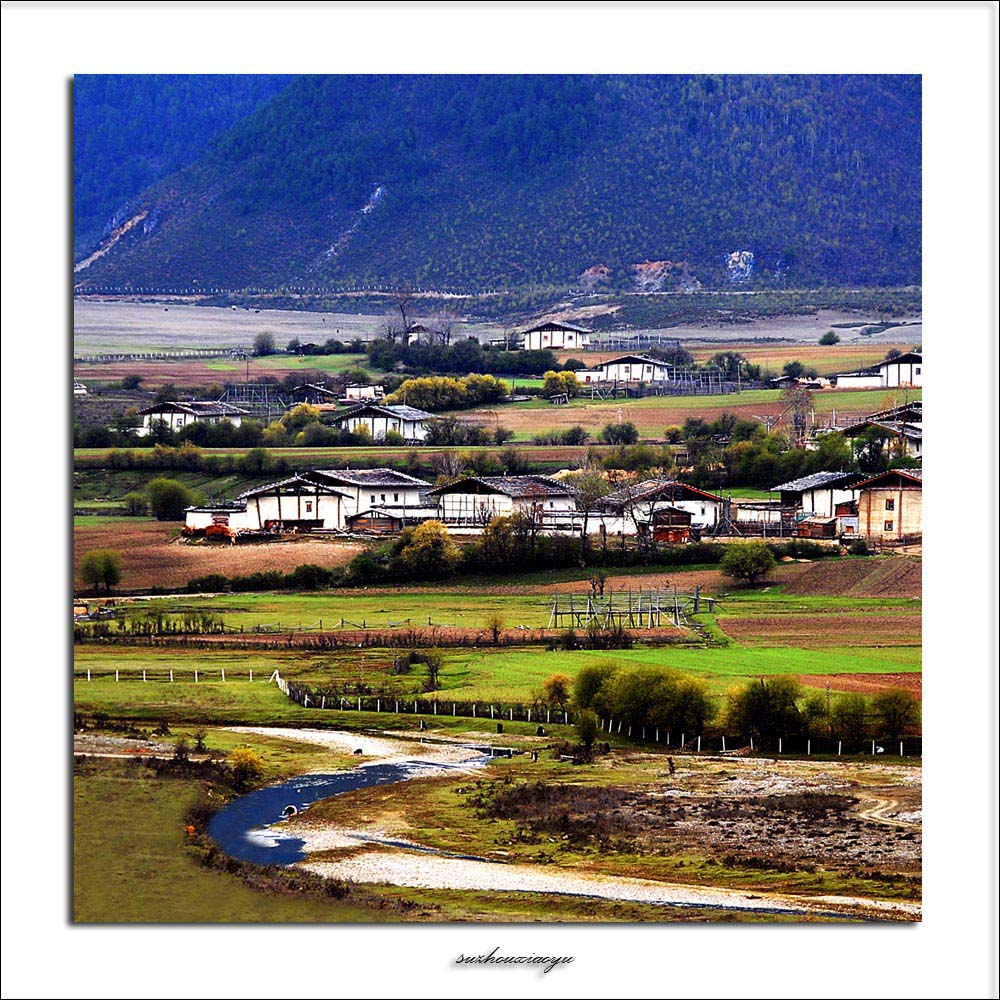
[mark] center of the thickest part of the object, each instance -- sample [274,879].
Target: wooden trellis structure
[636,609]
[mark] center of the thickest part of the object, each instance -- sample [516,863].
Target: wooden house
[638,502]
[628,368]
[475,500]
[818,494]
[175,415]
[380,419]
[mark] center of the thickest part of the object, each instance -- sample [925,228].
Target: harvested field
[890,576]
[865,683]
[152,555]
[822,628]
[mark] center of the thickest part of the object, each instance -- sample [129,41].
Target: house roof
[817,479]
[370,477]
[511,486]
[195,407]
[915,478]
[643,359]
[552,324]
[649,489]
[400,411]
[910,357]
[303,479]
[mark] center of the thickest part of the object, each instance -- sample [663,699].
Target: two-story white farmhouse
[322,499]
[555,336]
[628,368]
[379,419]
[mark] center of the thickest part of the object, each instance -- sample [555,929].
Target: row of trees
[763,710]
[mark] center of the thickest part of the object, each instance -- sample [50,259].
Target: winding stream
[250,826]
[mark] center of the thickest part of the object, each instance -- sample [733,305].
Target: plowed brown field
[152,558]
[890,576]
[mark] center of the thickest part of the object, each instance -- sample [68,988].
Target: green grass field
[289,362]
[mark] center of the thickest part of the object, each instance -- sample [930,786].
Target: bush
[747,561]
[427,550]
[101,566]
[587,728]
[766,709]
[626,433]
[168,499]
[829,339]
[858,547]
[247,769]
[895,710]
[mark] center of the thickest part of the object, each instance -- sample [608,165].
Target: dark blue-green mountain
[502,181]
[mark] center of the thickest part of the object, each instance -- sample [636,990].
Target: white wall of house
[363,498]
[629,371]
[565,340]
[237,520]
[859,380]
[305,506]
[480,507]
[909,373]
[379,425]
[175,421]
[822,500]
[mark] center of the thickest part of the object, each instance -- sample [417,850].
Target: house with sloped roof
[628,368]
[319,500]
[890,506]
[818,494]
[905,370]
[555,336]
[379,419]
[475,500]
[638,502]
[903,425]
[174,415]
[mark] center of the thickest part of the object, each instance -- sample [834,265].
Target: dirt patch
[152,556]
[794,830]
[822,629]
[885,576]
[865,683]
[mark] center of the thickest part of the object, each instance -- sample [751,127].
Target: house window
[395,497]
[888,526]
[383,498]
[890,505]
[373,498]
[309,506]
[916,371]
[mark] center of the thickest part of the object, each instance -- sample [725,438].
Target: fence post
[840,743]
[116,675]
[251,677]
[901,754]
[435,706]
[223,675]
[397,706]
[196,675]
[699,744]
[143,675]
[378,704]
[873,748]
[359,703]
[751,744]
[453,707]
[809,747]
[491,711]
[88,675]
[323,702]
[512,715]
[724,745]
[682,741]
[473,709]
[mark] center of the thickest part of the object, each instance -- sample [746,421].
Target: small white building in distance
[357,393]
[79,389]
[555,336]
[174,415]
[477,499]
[903,371]
[380,419]
[628,368]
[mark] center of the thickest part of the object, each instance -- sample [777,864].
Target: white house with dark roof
[322,499]
[476,499]
[174,415]
[819,494]
[555,336]
[379,419]
[637,503]
[628,368]
[904,371]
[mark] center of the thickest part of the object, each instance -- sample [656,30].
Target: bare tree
[798,405]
